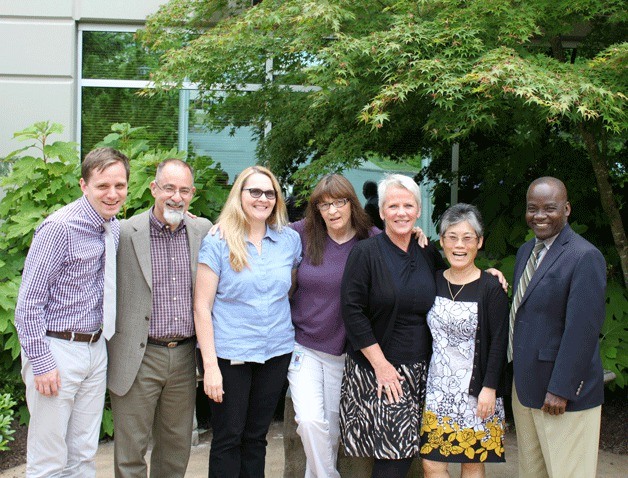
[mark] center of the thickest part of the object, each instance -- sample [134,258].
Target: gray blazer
[134,303]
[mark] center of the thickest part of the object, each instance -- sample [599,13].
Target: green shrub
[614,341]
[6,417]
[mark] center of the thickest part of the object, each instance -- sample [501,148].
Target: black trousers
[240,423]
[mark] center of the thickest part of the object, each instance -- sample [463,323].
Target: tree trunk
[609,205]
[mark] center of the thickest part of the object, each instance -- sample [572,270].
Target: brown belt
[171,343]
[75,336]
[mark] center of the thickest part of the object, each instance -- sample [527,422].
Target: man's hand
[216,229]
[48,384]
[500,277]
[554,405]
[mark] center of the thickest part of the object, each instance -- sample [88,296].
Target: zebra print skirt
[372,427]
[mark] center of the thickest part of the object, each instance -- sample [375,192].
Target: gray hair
[168,161]
[462,212]
[398,181]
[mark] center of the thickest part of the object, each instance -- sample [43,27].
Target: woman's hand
[500,277]
[420,237]
[212,383]
[388,381]
[486,403]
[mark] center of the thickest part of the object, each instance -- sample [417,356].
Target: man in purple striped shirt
[152,374]
[59,315]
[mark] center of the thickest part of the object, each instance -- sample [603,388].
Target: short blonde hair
[235,224]
[398,181]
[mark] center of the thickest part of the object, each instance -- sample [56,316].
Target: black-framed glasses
[257,193]
[170,190]
[337,203]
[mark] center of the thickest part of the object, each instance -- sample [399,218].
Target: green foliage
[414,71]
[404,78]
[614,342]
[106,426]
[36,186]
[6,417]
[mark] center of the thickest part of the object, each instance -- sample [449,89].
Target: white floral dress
[450,429]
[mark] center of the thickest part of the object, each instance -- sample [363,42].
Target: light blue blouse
[251,312]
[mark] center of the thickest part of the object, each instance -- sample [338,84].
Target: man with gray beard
[151,373]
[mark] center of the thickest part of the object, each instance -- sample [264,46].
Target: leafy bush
[614,341]
[6,417]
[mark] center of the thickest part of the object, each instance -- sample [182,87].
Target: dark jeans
[240,423]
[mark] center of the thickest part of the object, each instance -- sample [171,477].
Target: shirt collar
[547,242]
[90,213]
[270,233]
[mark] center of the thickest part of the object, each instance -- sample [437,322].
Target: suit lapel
[194,242]
[554,252]
[141,246]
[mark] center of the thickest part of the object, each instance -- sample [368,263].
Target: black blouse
[386,294]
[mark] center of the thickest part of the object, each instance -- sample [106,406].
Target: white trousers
[315,389]
[63,431]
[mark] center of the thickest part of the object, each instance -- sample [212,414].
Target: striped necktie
[521,290]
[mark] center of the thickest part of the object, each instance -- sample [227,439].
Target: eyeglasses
[452,239]
[170,190]
[337,203]
[257,193]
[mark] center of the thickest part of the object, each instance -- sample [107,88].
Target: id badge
[297,360]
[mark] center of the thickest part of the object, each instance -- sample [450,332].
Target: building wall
[38,59]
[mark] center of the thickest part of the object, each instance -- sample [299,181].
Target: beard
[174,216]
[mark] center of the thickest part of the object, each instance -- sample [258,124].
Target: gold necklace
[453,297]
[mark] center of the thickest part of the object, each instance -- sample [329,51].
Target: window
[114,67]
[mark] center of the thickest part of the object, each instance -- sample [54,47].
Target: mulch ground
[613,438]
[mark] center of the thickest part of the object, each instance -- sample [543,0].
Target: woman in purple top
[334,222]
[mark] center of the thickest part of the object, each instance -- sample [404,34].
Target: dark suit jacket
[557,328]
[134,297]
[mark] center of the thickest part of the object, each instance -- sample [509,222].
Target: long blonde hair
[235,224]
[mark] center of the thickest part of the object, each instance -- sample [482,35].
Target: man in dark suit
[556,317]
[152,373]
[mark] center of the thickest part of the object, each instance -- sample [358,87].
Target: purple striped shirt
[172,281]
[63,280]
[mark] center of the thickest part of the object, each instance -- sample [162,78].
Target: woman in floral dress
[463,419]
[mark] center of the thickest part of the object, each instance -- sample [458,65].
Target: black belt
[75,336]
[171,343]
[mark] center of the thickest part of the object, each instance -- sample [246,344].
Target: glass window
[112,64]
[115,56]
[101,107]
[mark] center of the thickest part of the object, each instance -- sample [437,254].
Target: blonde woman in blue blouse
[242,318]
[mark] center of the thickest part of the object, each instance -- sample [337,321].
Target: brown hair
[100,159]
[334,186]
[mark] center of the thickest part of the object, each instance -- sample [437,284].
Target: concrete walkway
[609,464]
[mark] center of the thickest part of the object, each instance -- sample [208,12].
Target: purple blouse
[315,304]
